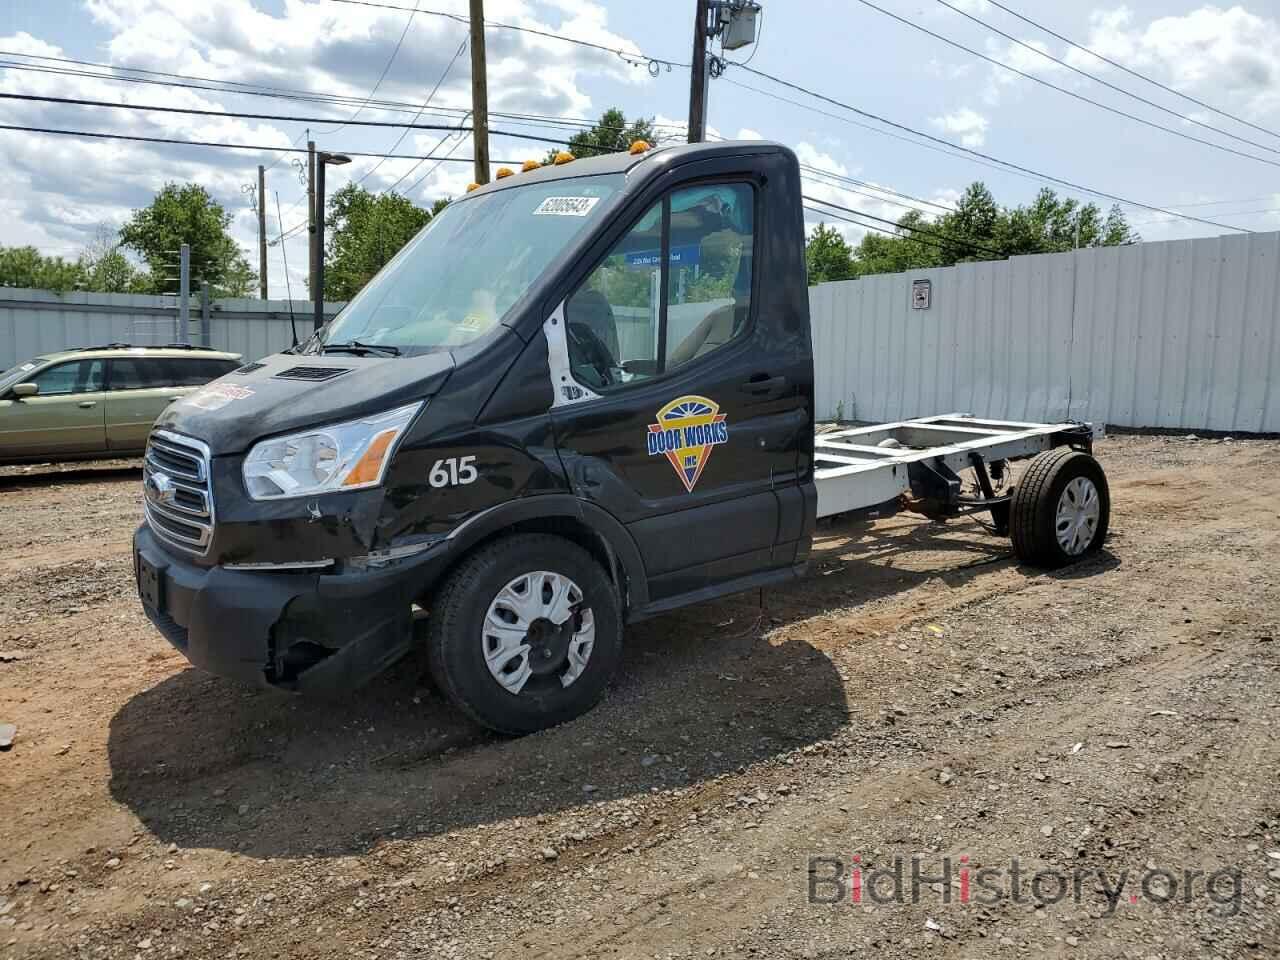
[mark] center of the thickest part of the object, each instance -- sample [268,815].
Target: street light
[323,160]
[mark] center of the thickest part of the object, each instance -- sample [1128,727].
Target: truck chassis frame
[915,464]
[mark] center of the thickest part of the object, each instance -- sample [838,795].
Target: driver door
[66,418]
[680,422]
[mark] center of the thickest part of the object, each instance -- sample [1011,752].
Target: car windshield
[460,275]
[14,374]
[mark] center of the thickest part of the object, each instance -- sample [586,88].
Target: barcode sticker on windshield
[566,206]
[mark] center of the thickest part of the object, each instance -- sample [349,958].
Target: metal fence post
[206,328]
[184,293]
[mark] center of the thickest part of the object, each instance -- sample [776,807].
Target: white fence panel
[1179,334]
[35,322]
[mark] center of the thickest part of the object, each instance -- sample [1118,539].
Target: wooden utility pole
[479,93]
[698,77]
[262,230]
[311,218]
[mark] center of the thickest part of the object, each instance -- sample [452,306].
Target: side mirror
[21,390]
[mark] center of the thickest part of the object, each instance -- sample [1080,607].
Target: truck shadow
[703,692]
[52,475]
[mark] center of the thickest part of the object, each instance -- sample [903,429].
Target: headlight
[345,456]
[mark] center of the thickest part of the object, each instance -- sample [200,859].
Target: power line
[76,101]
[425,103]
[627,55]
[194,82]
[1132,73]
[96,135]
[1070,93]
[841,178]
[382,76]
[872,226]
[1106,83]
[984,156]
[946,238]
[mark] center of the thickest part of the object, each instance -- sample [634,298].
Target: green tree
[187,214]
[980,229]
[365,231]
[828,255]
[612,134]
[105,268]
[27,267]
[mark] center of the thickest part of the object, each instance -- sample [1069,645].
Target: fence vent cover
[311,373]
[249,367]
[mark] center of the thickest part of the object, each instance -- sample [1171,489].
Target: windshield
[459,276]
[14,374]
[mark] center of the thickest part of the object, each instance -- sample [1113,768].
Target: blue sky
[60,190]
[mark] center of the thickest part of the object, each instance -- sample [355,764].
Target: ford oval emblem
[159,488]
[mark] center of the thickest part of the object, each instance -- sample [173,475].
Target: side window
[193,372]
[709,290]
[79,376]
[622,326]
[138,373]
[611,322]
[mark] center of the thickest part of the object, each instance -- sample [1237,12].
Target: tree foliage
[365,231]
[978,229]
[101,267]
[188,214]
[828,255]
[611,134]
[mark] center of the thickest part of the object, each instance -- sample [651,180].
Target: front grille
[177,491]
[311,373]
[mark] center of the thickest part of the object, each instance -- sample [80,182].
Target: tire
[485,606]
[1058,481]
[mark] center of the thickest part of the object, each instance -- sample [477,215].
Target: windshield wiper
[360,349]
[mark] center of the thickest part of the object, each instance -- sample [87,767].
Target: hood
[287,392]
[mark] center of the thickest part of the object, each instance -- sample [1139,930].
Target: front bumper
[307,630]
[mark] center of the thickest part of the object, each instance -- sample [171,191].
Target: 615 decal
[453,472]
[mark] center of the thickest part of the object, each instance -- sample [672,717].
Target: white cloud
[746,133]
[58,189]
[1228,57]
[967,124]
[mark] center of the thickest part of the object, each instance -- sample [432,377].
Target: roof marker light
[504,172]
[563,157]
[639,146]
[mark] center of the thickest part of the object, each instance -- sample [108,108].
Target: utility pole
[311,218]
[698,76]
[262,230]
[480,93]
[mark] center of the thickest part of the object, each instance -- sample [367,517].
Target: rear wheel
[1061,508]
[525,634]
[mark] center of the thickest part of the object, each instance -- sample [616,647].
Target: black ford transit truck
[581,396]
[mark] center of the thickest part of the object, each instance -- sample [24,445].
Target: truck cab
[581,396]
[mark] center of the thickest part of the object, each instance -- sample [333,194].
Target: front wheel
[1061,508]
[525,634]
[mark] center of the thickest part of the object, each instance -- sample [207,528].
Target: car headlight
[344,456]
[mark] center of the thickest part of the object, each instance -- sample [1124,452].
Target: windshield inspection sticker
[565,206]
[687,430]
[217,395]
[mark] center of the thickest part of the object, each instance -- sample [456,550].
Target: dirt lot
[919,695]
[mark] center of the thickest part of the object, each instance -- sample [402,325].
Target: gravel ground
[919,696]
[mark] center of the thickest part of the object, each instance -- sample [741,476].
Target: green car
[97,401]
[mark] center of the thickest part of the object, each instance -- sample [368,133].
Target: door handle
[86,404]
[764,385]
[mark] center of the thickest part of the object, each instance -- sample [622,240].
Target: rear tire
[525,634]
[1061,509]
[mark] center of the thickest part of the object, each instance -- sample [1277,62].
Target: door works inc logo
[687,430]
[834,880]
